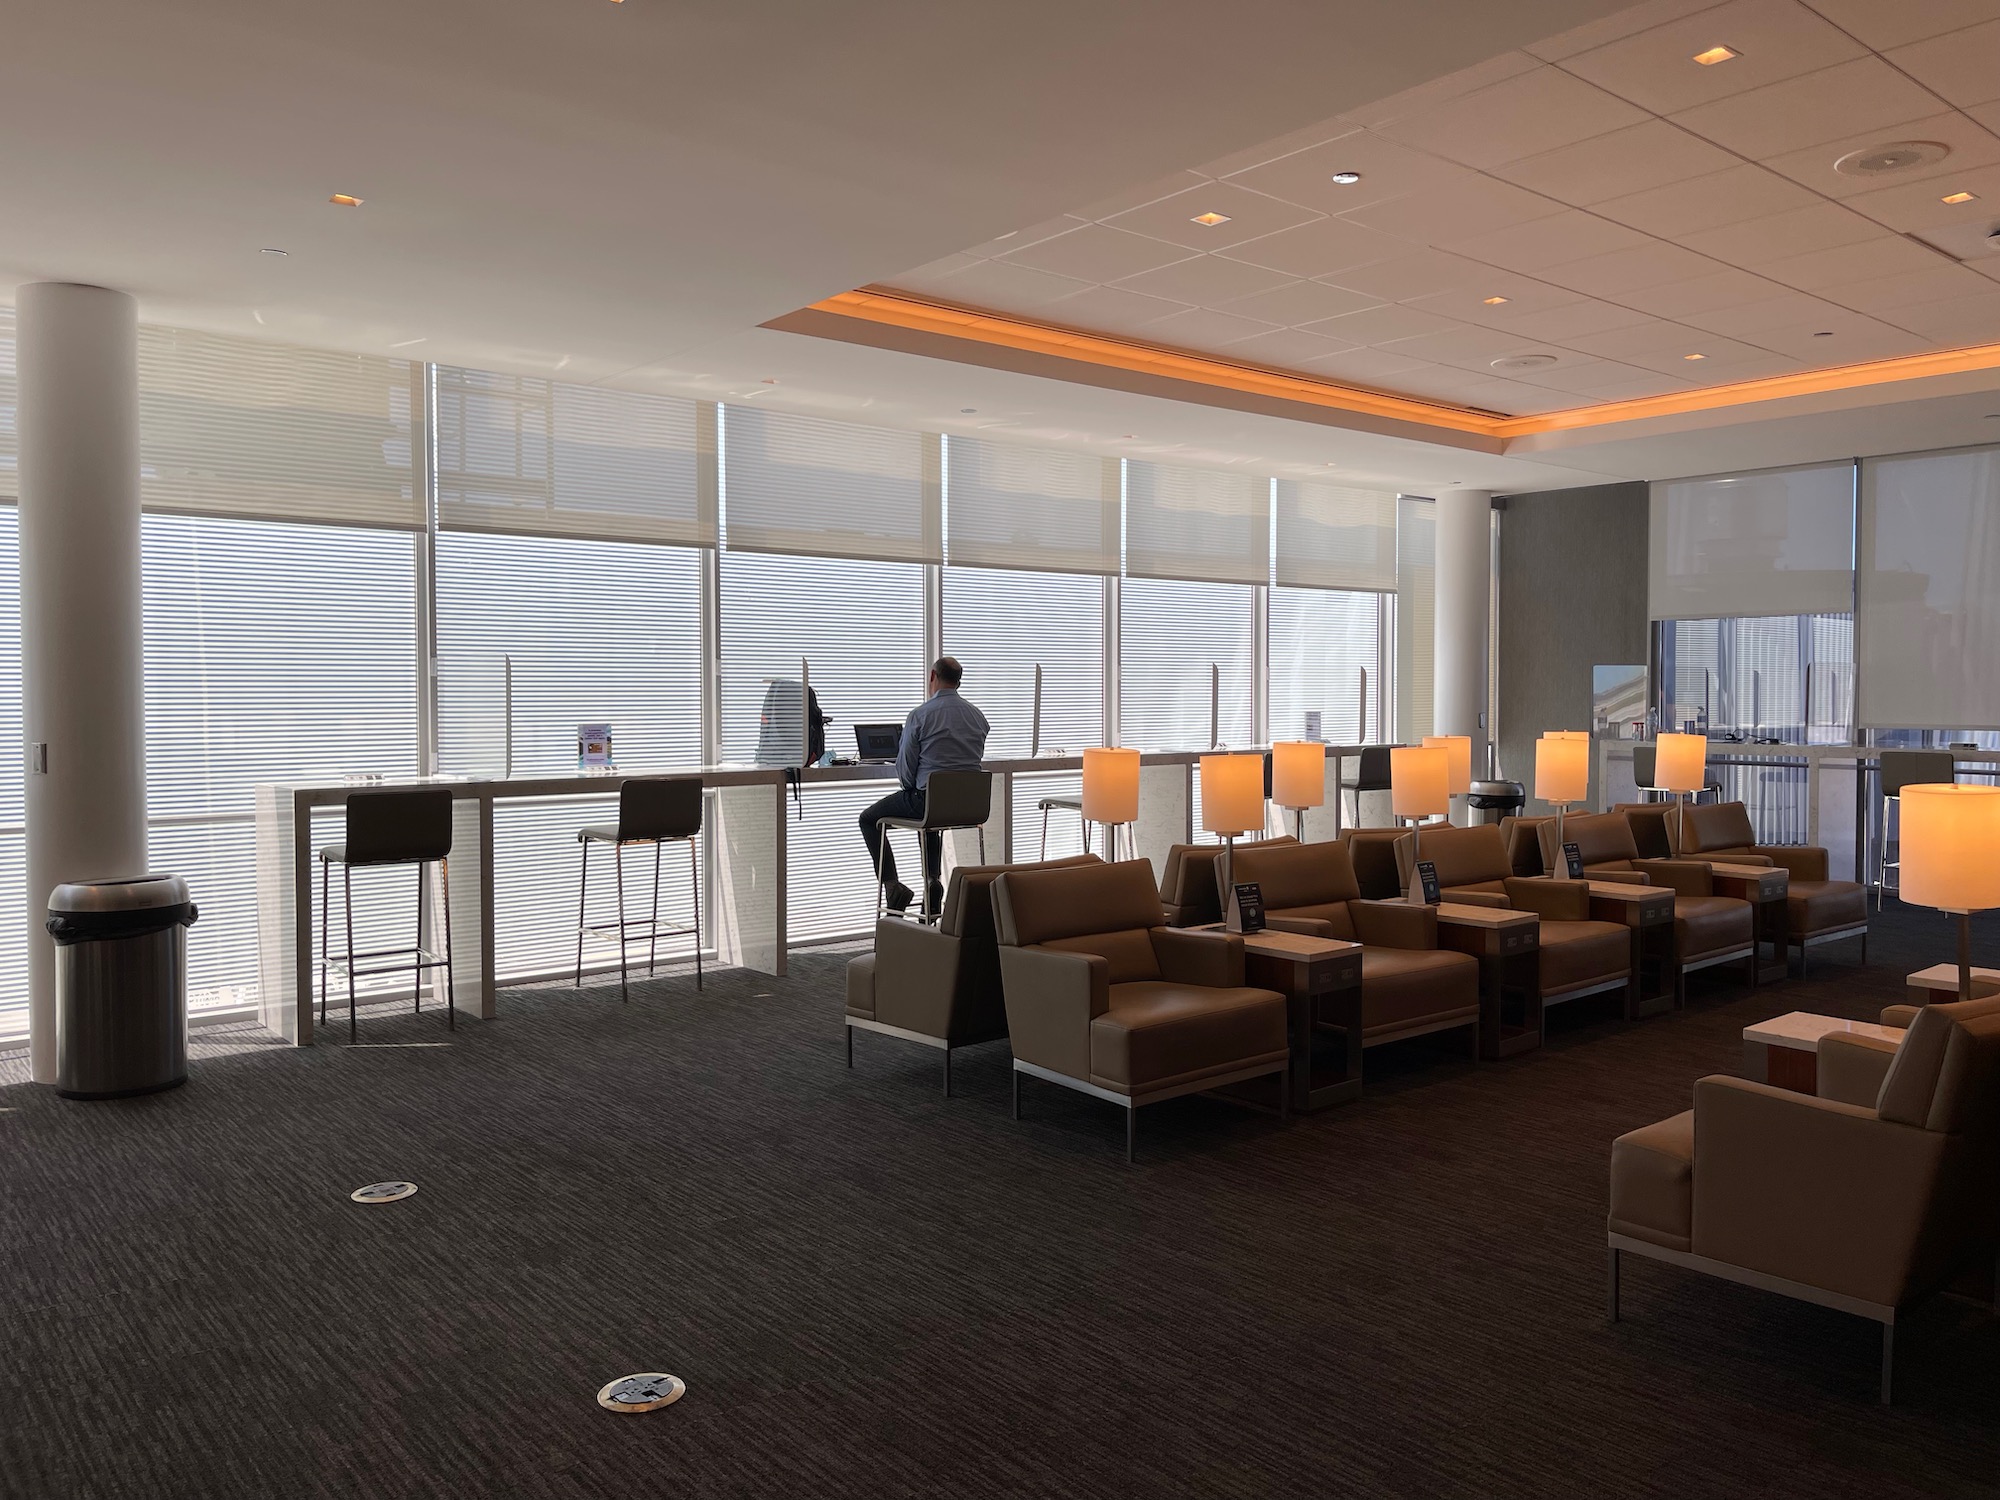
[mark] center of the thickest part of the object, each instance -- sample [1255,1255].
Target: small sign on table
[1246,908]
[593,747]
[1573,860]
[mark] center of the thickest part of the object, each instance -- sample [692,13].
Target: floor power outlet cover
[383,1192]
[635,1393]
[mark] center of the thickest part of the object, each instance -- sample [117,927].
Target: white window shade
[232,427]
[1927,612]
[529,456]
[831,489]
[1330,537]
[1042,508]
[1199,524]
[1778,542]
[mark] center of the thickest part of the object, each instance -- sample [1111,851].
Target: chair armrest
[1902,1017]
[1310,926]
[1552,900]
[1800,861]
[1394,924]
[1811,1189]
[1051,999]
[1214,959]
[1477,898]
[1684,877]
[1615,876]
[1851,1068]
[916,976]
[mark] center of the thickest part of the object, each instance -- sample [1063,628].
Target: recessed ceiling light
[268,250]
[1694,356]
[1346,179]
[1958,197]
[1210,219]
[1495,301]
[345,200]
[1716,55]
[1523,361]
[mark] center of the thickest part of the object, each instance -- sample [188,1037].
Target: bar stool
[656,810]
[1901,768]
[1067,804]
[1645,762]
[403,826]
[1371,774]
[952,799]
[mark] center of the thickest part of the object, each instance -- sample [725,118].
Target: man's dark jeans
[904,802]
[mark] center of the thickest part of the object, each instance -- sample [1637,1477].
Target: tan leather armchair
[1579,956]
[1817,910]
[1103,997]
[1373,852]
[1190,888]
[1861,1204]
[1409,985]
[938,985]
[1708,929]
[1523,838]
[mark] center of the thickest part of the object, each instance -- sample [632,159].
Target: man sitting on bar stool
[943,733]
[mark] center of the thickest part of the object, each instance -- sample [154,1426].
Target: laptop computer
[878,743]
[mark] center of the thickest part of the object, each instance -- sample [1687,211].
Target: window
[1170,637]
[1327,658]
[1748,678]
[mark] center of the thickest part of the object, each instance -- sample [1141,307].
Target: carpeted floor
[874,1292]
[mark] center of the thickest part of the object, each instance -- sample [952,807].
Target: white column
[84,719]
[1464,599]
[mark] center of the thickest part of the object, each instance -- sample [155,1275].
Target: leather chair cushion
[1130,953]
[1405,987]
[1601,838]
[1712,827]
[1042,905]
[1157,1034]
[1298,874]
[1474,856]
[1575,954]
[1652,1183]
[1813,906]
[1704,925]
[1523,838]
[1373,853]
[861,986]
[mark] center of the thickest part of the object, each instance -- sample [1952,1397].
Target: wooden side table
[1647,912]
[1938,985]
[1320,979]
[1508,946]
[1765,888]
[1784,1051]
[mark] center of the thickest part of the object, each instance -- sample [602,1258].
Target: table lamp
[1419,788]
[1458,747]
[1680,765]
[1562,773]
[1111,792]
[1950,835]
[1232,803]
[1298,778]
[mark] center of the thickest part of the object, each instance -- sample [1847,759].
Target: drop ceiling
[1586,219]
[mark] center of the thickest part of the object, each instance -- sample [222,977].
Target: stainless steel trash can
[1491,801]
[121,985]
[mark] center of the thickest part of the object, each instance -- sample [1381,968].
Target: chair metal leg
[1131,1133]
[450,980]
[618,864]
[947,1072]
[417,970]
[850,1044]
[325,929]
[582,895]
[881,849]
[1612,1274]
[694,889]
[1017,1092]
[347,881]
[982,843]
[1888,1360]
[653,928]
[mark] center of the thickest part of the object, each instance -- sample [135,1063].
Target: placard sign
[1427,874]
[1246,907]
[593,746]
[1573,861]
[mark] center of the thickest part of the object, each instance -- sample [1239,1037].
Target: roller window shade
[1927,615]
[1776,542]
[10,444]
[232,427]
[1416,617]
[1200,524]
[831,489]
[1015,507]
[1330,537]
[531,456]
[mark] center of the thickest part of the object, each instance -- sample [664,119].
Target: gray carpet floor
[875,1292]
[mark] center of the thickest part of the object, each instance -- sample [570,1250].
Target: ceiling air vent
[1524,362]
[1896,156]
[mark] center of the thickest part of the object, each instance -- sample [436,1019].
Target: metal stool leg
[1045,833]
[582,893]
[347,881]
[618,863]
[325,929]
[881,849]
[417,970]
[450,980]
[982,843]
[653,928]
[694,890]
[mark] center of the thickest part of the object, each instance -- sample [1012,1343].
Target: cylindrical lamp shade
[1420,781]
[1111,786]
[1681,762]
[1951,846]
[1232,793]
[1298,774]
[1458,750]
[1562,768]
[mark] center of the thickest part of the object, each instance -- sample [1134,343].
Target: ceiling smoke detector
[1896,156]
[1524,362]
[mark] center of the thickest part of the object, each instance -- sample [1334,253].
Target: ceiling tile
[1762,366]
[1146,192]
[1786,310]
[1094,253]
[1320,248]
[921,278]
[1839,338]
[1247,216]
[1624,23]
[1540,403]
[1387,170]
[1716,353]
[1003,287]
[1650,154]
[1972,145]
[1561,325]
[1439,91]
[1844,263]
[1474,206]
[1864,94]
[1525,297]
[1378,325]
[1287,348]
[1297,140]
[1532,247]
[1883,26]
[1034,234]
[1524,116]
[1205,281]
[1595,377]
[1107,309]
[1745,192]
[1509,397]
[1301,302]
[1475,348]
[1726,287]
[1367,366]
[1879,294]
[1651,264]
[1633,387]
[1958,322]
[1203,328]
[1817,226]
[1637,341]
[1912,206]
[1963,66]
[1415,273]
[1775,39]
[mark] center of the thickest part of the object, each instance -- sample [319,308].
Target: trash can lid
[1498,789]
[135,893]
